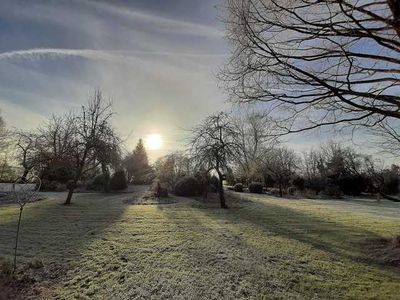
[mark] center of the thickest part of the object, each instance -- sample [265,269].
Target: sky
[156,61]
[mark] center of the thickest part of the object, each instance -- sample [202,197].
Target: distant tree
[108,154]
[26,150]
[316,63]
[91,125]
[312,165]
[253,139]
[118,181]
[137,164]
[7,170]
[173,166]
[281,164]
[212,145]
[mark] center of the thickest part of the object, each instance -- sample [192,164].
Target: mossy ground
[265,248]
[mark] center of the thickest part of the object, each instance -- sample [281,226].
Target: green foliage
[187,186]
[97,184]
[118,181]
[238,187]
[58,171]
[256,187]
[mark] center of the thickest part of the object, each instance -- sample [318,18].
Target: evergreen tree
[137,164]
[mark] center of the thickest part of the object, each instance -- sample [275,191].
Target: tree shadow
[326,235]
[224,246]
[56,234]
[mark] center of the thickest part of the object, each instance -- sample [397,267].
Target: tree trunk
[106,178]
[25,174]
[221,191]
[69,197]
[280,190]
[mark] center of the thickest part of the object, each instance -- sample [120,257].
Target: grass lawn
[263,248]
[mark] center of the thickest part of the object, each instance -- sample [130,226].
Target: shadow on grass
[57,234]
[343,241]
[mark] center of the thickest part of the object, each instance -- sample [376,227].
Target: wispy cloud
[108,55]
[158,23]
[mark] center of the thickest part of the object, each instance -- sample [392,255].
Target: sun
[153,141]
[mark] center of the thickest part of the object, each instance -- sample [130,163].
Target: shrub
[316,184]
[97,184]
[292,190]
[187,186]
[58,171]
[352,185]
[256,187]
[238,187]
[333,191]
[61,187]
[118,181]
[299,183]
[214,182]
[390,184]
[159,189]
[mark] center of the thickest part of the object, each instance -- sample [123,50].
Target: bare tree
[316,62]
[281,164]
[26,149]
[253,140]
[25,192]
[169,168]
[92,125]
[212,145]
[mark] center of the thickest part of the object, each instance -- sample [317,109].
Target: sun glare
[153,141]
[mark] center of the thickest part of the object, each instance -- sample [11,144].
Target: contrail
[108,55]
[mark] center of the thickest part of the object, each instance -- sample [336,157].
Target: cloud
[158,23]
[107,55]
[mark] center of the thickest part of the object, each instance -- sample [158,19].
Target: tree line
[80,145]
[243,149]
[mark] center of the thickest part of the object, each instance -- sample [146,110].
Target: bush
[256,187]
[316,184]
[390,184]
[61,187]
[97,184]
[118,181]
[187,186]
[58,171]
[333,191]
[159,189]
[214,182]
[238,187]
[299,183]
[352,185]
[292,190]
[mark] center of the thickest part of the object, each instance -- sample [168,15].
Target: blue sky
[155,59]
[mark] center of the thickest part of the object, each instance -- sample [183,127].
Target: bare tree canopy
[212,145]
[316,62]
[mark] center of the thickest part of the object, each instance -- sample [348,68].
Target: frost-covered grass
[265,248]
